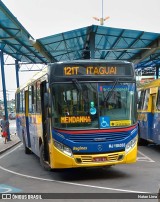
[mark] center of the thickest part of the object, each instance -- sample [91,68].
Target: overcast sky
[43,18]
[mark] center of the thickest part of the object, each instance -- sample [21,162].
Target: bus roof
[33,79]
[151,84]
[93,60]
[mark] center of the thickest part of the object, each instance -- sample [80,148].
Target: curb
[4,150]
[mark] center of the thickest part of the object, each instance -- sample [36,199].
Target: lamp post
[101,19]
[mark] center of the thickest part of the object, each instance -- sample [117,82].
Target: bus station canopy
[14,39]
[140,47]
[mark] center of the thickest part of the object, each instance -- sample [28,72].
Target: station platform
[13,141]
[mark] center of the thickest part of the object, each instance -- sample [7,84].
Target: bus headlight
[66,150]
[130,144]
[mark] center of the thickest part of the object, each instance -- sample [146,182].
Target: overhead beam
[17,51]
[153,47]
[104,55]
[20,43]
[41,49]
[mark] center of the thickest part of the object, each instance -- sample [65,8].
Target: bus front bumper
[60,160]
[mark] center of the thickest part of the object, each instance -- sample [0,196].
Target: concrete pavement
[14,140]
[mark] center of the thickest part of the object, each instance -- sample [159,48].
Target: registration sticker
[120,123]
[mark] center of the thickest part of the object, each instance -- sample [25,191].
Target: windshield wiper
[77,84]
[110,92]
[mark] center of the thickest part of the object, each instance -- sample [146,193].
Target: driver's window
[158,100]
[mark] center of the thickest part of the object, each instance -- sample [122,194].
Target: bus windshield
[93,105]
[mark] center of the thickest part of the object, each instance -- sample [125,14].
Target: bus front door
[45,122]
[152,118]
[27,140]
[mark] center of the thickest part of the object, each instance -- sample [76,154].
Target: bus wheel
[43,163]
[26,149]
[141,142]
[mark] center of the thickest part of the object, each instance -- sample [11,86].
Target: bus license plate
[99,159]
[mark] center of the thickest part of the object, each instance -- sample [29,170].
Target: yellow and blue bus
[80,114]
[149,112]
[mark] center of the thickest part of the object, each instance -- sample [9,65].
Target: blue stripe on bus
[150,127]
[94,142]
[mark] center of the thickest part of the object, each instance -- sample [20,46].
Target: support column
[4,89]
[92,44]
[17,72]
[157,72]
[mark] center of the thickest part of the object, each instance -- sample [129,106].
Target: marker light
[131,144]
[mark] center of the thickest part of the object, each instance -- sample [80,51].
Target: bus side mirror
[47,101]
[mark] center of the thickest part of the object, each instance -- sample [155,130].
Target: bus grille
[86,159]
[101,137]
[112,157]
[109,158]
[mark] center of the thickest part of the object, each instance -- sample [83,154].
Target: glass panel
[153,102]
[158,100]
[30,99]
[115,104]
[23,97]
[146,99]
[38,97]
[21,102]
[92,105]
[75,105]
[141,100]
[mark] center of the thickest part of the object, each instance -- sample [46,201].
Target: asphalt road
[22,173]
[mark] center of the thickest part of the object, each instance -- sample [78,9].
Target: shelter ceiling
[142,48]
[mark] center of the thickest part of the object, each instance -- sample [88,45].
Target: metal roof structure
[14,39]
[99,42]
[142,48]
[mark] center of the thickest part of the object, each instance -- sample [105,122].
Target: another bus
[149,112]
[80,114]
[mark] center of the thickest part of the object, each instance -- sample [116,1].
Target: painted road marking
[144,158]
[8,189]
[64,182]
[70,183]
[2,156]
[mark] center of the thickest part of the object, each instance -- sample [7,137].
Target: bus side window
[31,99]
[38,96]
[146,99]
[34,102]
[141,100]
[158,100]
[21,102]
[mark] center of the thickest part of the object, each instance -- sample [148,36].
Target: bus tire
[43,163]
[139,139]
[26,149]
[141,142]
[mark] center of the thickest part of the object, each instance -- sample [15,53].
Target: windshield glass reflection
[92,105]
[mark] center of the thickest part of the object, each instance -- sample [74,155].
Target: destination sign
[76,119]
[90,70]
